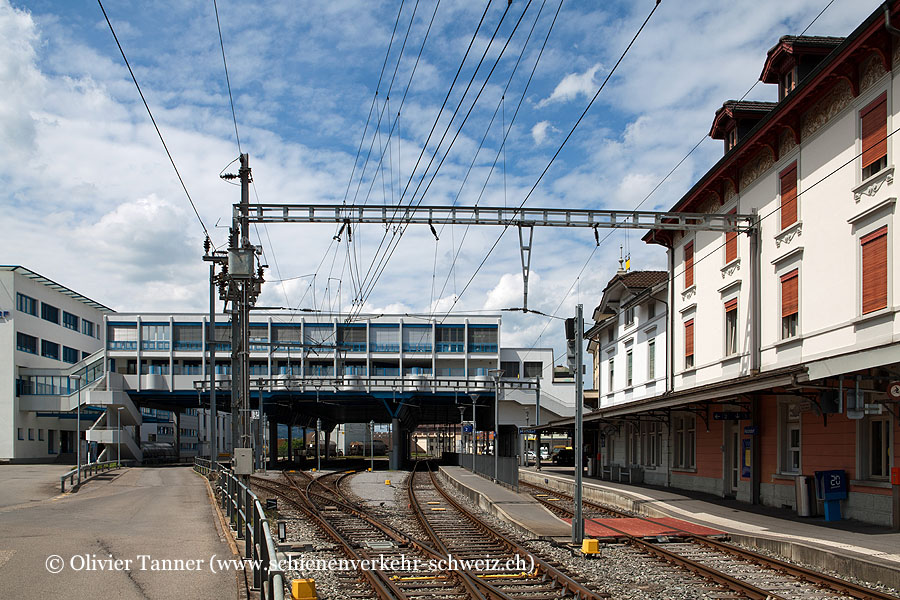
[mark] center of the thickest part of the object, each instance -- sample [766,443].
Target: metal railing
[89,470]
[248,519]
[483,464]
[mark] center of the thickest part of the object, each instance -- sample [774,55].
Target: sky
[334,102]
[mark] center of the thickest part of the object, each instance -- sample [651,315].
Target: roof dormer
[792,59]
[736,118]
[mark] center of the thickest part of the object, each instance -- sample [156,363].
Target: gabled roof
[796,45]
[56,287]
[631,283]
[733,110]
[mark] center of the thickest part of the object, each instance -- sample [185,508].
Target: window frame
[731,328]
[684,455]
[794,167]
[731,242]
[50,307]
[651,359]
[793,274]
[23,301]
[611,371]
[50,344]
[530,364]
[629,367]
[629,316]
[21,348]
[689,364]
[688,264]
[865,451]
[66,322]
[786,424]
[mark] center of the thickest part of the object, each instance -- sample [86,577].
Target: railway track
[750,574]
[489,556]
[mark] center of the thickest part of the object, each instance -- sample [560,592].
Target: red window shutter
[688,265]
[874,270]
[731,305]
[689,338]
[789,196]
[874,130]
[730,244]
[789,294]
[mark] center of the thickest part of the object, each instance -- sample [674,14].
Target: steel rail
[810,576]
[561,579]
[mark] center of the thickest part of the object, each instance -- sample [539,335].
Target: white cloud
[572,86]
[540,130]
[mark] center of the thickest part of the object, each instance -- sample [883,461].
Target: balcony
[386,371]
[416,347]
[391,347]
[155,345]
[483,348]
[188,345]
[450,347]
[353,346]
[121,345]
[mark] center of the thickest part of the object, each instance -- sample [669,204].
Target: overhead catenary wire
[555,155]
[227,79]
[152,119]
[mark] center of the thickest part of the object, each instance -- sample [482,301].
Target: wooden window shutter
[874,130]
[689,338]
[874,270]
[789,294]
[731,305]
[731,244]
[789,196]
[689,265]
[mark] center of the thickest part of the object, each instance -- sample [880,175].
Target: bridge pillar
[290,444]
[327,444]
[273,443]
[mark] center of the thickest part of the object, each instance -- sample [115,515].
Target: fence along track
[724,563]
[460,533]
[364,537]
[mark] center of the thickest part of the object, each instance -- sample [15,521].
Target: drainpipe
[755,297]
[670,333]
[887,20]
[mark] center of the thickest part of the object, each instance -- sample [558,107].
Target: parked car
[565,458]
[530,456]
[545,453]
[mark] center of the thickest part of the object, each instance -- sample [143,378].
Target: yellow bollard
[303,589]
[387,482]
[590,546]
[369,470]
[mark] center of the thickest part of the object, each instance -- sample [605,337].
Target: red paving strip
[607,528]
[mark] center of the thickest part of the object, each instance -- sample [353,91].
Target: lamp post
[496,374]
[372,444]
[77,379]
[318,454]
[119,436]
[474,398]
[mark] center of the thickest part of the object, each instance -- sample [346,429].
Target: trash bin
[803,488]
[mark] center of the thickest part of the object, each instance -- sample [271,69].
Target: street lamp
[77,379]
[474,398]
[496,374]
[119,436]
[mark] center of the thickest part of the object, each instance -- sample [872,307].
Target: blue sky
[92,202]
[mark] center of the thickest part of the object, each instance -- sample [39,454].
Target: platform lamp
[496,374]
[318,437]
[474,397]
[372,443]
[77,379]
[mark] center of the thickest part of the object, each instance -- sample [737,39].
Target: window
[873,130]
[877,436]
[651,443]
[26,304]
[70,321]
[510,368]
[789,421]
[19,435]
[684,450]
[731,139]
[651,359]
[629,368]
[533,369]
[70,355]
[450,339]
[30,434]
[731,314]
[788,196]
[155,337]
[788,82]
[49,349]
[629,316]
[87,327]
[731,243]
[26,343]
[612,371]
[610,335]
[790,305]
[482,339]
[688,265]
[689,344]
[874,270]
[49,313]
[40,435]
[651,309]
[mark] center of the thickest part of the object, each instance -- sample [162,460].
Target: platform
[660,526]
[163,514]
[520,510]
[869,552]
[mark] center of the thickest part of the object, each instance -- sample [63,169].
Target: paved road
[162,513]
[23,484]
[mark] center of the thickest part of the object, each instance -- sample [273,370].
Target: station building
[145,374]
[744,412]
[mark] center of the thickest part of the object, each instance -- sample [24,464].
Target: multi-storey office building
[783,362]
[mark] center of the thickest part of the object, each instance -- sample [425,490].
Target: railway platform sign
[468,427]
